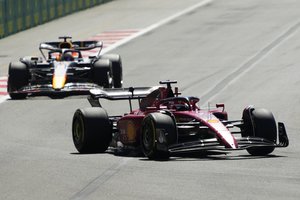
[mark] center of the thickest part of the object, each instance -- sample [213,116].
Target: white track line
[3,98]
[157,25]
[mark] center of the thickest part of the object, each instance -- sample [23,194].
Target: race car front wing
[47,89]
[243,143]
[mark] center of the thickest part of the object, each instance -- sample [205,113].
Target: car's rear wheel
[101,72]
[18,77]
[158,132]
[259,122]
[117,71]
[91,130]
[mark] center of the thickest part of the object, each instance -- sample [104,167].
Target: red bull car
[66,68]
[167,123]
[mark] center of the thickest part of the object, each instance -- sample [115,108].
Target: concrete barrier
[18,15]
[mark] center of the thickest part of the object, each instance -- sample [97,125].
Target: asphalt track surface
[235,52]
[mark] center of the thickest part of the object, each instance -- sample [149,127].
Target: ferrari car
[65,67]
[167,123]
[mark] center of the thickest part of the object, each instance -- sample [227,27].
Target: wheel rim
[78,131]
[148,137]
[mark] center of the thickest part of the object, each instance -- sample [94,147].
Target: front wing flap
[200,145]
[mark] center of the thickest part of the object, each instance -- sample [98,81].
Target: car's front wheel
[18,77]
[259,122]
[158,132]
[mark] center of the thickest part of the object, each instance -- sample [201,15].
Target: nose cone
[228,140]
[233,144]
[58,82]
[223,133]
[59,75]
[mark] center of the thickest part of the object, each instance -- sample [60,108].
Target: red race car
[167,123]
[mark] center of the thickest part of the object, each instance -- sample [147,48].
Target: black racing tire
[155,146]
[259,122]
[18,77]
[117,70]
[91,130]
[101,72]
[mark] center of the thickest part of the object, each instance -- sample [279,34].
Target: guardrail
[18,15]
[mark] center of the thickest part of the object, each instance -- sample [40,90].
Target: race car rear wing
[78,45]
[120,94]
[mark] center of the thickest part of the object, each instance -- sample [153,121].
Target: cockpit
[166,98]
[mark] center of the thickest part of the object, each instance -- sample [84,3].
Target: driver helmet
[67,56]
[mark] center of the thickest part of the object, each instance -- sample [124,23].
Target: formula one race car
[166,123]
[65,70]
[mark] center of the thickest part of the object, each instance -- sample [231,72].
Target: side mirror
[46,46]
[95,45]
[99,44]
[220,105]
